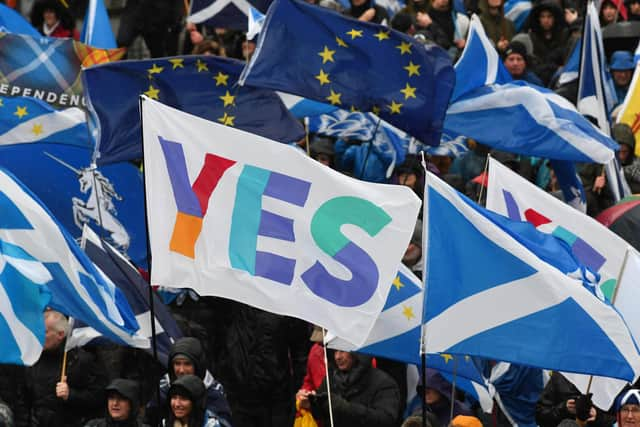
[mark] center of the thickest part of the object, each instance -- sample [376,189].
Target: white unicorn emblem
[99,207]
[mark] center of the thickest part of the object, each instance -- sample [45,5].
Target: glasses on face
[630,410]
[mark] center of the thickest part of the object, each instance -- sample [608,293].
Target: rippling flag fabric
[201,85]
[319,54]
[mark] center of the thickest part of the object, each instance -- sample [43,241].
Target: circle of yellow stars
[219,78]
[334,96]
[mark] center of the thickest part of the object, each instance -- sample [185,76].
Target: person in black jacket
[70,401]
[360,394]
[561,400]
[123,405]
[12,393]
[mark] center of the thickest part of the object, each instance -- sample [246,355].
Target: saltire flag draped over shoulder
[77,288]
[47,68]
[136,290]
[517,307]
[596,94]
[25,119]
[225,13]
[96,30]
[353,65]
[201,85]
[12,22]
[242,217]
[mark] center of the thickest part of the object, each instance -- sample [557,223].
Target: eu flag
[318,54]
[201,85]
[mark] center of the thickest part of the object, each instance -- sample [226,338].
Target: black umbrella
[621,36]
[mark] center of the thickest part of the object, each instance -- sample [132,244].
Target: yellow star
[405,47]
[21,112]
[37,129]
[397,283]
[412,69]
[394,107]
[327,55]
[467,358]
[177,63]
[155,69]
[446,357]
[353,109]
[408,91]
[221,79]
[226,119]
[334,98]
[228,99]
[152,92]
[323,78]
[340,42]
[354,33]
[375,110]
[408,312]
[201,66]
[382,35]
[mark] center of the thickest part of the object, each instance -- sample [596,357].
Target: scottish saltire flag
[48,68]
[449,147]
[201,85]
[255,22]
[596,94]
[255,221]
[518,12]
[365,127]
[569,72]
[630,112]
[225,13]
[96,30]
[301,107]
[570,184]
[12,22]
[516,389]
[23,298]
[533,121]
[24,120]
[499,289]
[77,288]
[353,65]
[136,290]
[110,199]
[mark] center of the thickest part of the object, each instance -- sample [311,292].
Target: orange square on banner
[185,234]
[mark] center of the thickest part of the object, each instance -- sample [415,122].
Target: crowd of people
[240,366]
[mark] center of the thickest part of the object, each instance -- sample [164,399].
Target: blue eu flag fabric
[201,85]
[318,54]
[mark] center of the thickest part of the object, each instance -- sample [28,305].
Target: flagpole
[326,371]
[485,171]
[453,387]
[423,326]
[152,311]
[423,376]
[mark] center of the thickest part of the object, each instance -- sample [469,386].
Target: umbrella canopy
[624,220]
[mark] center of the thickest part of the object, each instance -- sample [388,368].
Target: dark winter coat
[86,389]
[363,396]
[552,409]
[131,391]
[12,393]
[550,50]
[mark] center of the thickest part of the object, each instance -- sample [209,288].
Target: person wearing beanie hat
[187,357]
[123,404]
[621,67]
[628,408]
[515,60]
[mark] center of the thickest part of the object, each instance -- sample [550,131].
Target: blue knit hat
[629,397]
[622,60]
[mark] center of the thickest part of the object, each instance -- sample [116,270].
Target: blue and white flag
[569,72]
[97,30]
[77,288]
[256,19]
[24,120]
[518,12]
[499,289]
[302,107]
[23,298]
[136,290]
[12,22]
[225,13]
[596,94]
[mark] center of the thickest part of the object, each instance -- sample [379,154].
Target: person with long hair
[187,397]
